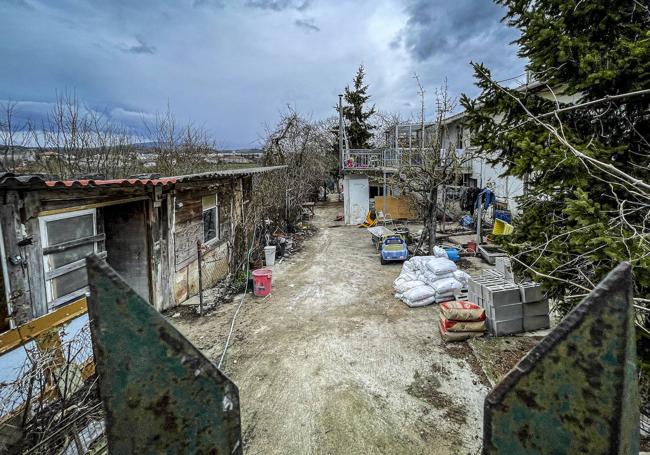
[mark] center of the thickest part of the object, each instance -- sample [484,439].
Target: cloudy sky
[232,66]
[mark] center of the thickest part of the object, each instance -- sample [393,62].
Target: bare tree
[75,141]
[435,163]
[176,148]
[305,147]
[12,137]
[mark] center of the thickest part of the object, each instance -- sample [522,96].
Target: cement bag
[440,266]
[419,303]
[419,293]
[456,336]
[461,326]
[409,265]
[444,298]
[408,276]
[462,277]
[439,252]
[462,310]
[446,286]
[429,277]
[419,262]
[408,285]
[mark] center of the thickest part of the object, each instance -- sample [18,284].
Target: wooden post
[198,258]
[17,284]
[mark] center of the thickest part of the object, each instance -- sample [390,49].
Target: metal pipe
[341,131]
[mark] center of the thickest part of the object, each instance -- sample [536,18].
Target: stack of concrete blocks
[504,267]
[510,308]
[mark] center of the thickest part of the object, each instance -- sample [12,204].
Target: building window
[67,239]
[210,218]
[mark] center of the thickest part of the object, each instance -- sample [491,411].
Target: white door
[357,194]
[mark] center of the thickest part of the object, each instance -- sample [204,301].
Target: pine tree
[359,131]
[578,221]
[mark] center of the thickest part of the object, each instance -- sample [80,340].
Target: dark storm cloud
[232,66]
[435,28]
[307,24]
[279,5]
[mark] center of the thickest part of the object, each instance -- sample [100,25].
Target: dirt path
[332,363]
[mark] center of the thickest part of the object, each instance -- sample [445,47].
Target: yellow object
[502,228]
[402,207]
[30,330]
[369,222]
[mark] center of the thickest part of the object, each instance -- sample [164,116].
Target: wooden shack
[148,229]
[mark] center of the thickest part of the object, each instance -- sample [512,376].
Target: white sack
[420,303]
[447,286]
[440,266]
[408,285]
[429,277]
[407,276]
[439,252]
[419,293]
[462,277]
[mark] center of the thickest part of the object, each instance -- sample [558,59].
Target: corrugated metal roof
[114,182]
[9,180]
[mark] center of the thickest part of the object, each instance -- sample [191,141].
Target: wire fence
[49,400]
[213,269]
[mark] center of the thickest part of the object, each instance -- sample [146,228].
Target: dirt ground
[332,363]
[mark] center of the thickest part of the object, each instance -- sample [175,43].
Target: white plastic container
[269,255]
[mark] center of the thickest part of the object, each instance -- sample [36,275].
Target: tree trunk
[432,218]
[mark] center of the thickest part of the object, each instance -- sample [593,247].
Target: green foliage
[359,130]
[577,222]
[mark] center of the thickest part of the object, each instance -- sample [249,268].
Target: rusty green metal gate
[577,391]
[160,393]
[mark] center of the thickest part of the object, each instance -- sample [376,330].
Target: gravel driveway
[332,363]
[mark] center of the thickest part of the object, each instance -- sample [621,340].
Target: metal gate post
[160,393]
[577,390]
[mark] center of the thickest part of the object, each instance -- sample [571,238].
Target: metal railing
[391,158]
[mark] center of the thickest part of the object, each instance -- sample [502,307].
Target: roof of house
[33,181]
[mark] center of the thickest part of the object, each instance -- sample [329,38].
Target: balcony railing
[389,159]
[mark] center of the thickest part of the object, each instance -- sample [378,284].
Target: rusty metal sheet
[577,391]
[160,393]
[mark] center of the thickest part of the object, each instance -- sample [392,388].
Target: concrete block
[473,286]
[504,267]
[536,308]
[503,295]
[507,327]
[507,312]
[531,292]
[532,323]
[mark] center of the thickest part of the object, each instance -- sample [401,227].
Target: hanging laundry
[469,199]
[487,196]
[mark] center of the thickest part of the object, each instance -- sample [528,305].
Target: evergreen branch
[610,169]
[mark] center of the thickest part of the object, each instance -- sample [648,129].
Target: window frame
[49,272]
[217,233]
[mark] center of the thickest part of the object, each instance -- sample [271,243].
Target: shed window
[67,239]
[210,218]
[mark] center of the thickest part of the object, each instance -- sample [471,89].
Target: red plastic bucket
[471,246]
[262,282]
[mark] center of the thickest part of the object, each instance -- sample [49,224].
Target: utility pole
[341,131]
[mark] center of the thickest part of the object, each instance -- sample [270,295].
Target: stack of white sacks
[428,279]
